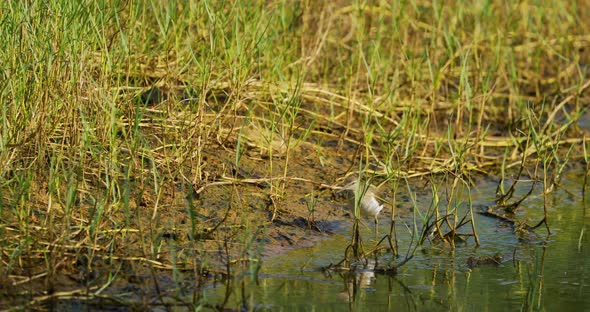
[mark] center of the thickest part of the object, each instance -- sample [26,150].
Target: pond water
[537,271]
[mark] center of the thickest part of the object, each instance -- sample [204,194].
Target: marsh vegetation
[152,148]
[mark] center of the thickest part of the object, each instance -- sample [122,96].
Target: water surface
[537,271]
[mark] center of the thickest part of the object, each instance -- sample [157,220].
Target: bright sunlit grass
[118,117]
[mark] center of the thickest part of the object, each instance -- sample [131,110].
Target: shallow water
[537,271]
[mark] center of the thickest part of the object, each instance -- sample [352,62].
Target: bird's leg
[376,227]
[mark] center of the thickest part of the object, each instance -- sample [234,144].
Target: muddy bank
[173,213]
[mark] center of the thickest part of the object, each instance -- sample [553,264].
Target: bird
[363,194]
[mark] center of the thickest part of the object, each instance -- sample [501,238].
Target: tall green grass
[94,167]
